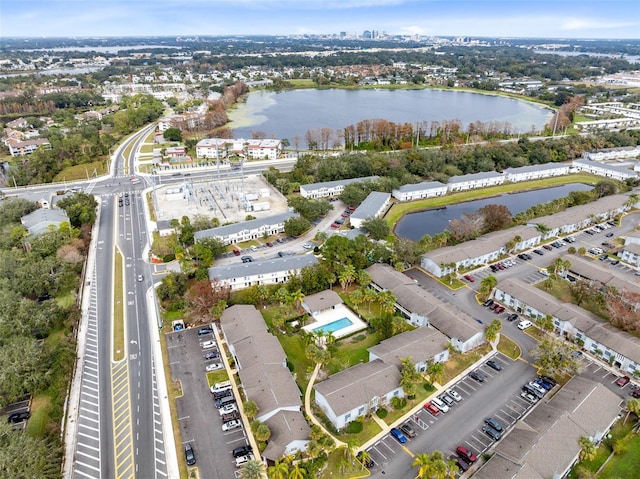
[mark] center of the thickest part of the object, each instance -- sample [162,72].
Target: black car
[462,465]
[512,317]
[494,268]
[493,423]
[494,365]
[548,379]
[189,455]
[368,463]
[211,355]
[477,376]
[222,394]
[203,331]
[488,302]
[18,417]
[538,252]
[492,433]
[242,451]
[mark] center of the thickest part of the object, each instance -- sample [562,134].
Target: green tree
[279,470]
[25,456]
[435,371]
[587,448]
[80,208]
[261,431]
[172,134]
[546,323]
[554,356]
[491,332]
[633,407]
[296,226]
[250,409]
[387,301]
[253,469]
[297,472]
[423,463]
[377,228]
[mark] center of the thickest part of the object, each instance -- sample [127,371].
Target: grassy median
[118,308]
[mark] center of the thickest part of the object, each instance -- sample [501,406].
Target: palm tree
[370,295]
[350,449]
[357,297]
[423,463]
[387,301]
[253,469]
[280,470]
[488,283]
[435,371]
[587,448]
[633,406]
[364,458]
[297,297]
[297,472]
[250,409]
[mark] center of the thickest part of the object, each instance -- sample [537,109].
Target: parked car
[499,309]
[532,391]
[211,355]
[492,433]
[366,462]
[494,365]
[466,454]
[512,317]
[445,398]
[547,247]
[544,384]
[538,252]
[213,367]
[469,278]
[407,430]
[548,379]
[222,394]
[241,451]
[537,387]
[461,463]
[501,266]
[494,268]
[440,405]
[623,381]
[494,423]
[615,262]
[228,426]
[432,409]
[242,460]
[454,394]
[229,408]
[236,252]
[397,435]
[524,324]
[527,396]
[477,376]
[206,330]
[335,225]
[208,345]
[189,455]
[269,244]
[609,235]
[18,417]
[230,416]
[488,302]
[221,385]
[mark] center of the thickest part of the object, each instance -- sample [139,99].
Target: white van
[439,404]
[524,324]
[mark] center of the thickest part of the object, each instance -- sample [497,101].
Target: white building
[26,147]
[330,188]
[604,169]
[418,191]
[272,271]
[247,230]
[631,254]
[373,206]
[218,148]
[536,172]
[475,180]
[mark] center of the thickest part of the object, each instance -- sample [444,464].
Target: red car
[623,381]
[236,252]
[469,278]
[499,309]
[432,409]
[335,226]
[466,454]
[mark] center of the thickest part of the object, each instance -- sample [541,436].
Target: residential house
[271,271]
[624,152]
[176,152]
[423,345]
[475,180]
[373,206]
[26,147]
[217,148]
[607,170]
[330,188]
[247,230]
[536,172]
[630,253]
[545,442]
[265,378]
[40,220]
[621,349]
[322,301]
[418,191]
[596,272]
[18,123]
[358,391]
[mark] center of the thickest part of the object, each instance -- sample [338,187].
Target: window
[578,335]
[361,411]
[347,417]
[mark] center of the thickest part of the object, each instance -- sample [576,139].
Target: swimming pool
[334,326]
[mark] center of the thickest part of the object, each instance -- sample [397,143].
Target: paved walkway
[307,406]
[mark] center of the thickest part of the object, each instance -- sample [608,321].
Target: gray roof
[454,323]
[576,214]
[285,427]
[632,248]
[371,205]
[271,386]
[425,185]
[39,220]
[596,271]
[227,230]
[333,184]
[322,300]
[239,270]
[475,176]
[241,321]
[386,277]
[420,345]
[412,298]
[606,166]
[357,385]
[540,167]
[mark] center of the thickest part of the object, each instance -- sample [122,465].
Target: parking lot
[200,421]
[498,396]
[597,372]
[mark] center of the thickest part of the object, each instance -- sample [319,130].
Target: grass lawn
[352,351]
[80,172]
[459,362]
[118,308]
[217,377]
[400,209]
[509,348]
[40,409]
[369,430]
[353,470]
[536,333]
[294,348]
[147,148]
[625,464]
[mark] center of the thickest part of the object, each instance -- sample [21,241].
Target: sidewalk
[307,406]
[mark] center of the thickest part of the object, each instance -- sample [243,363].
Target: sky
[609,19]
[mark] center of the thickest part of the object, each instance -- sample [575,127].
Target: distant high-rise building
[366,34]
[343,34]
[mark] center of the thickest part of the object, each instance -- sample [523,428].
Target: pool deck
[330,315]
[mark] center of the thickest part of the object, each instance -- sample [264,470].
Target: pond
[415,225]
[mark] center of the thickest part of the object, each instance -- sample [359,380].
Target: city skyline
[571,19]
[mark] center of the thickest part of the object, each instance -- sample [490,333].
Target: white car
[213,367]
[307,246]
[529,397]
[440,405]
[524,324]
[140,278]
[220,386]
[228,426]
[454,394]
[242,460]
[208,345]
[227,409]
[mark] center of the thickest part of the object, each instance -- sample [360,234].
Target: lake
[292,113]
[415,225]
